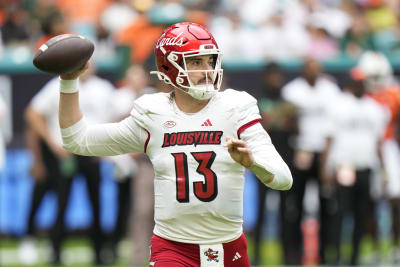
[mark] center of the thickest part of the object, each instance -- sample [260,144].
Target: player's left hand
[239,152]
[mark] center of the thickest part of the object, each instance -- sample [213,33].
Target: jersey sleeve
[248,113]
[267,160]
[145,107]
[107,139]
[138,113]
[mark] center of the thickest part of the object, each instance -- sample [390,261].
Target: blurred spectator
[321,13]
[56,166]
[27,250]
[104,43]
[384,24]
[379,15]
[136,84]
[254,13]
[52,25]
[350,157]
[14,30]
[83,12]
[227,32]
[358,38]
[279,119]
[196,15]
[117,16]
[143,210]
[271,27]
[325,12]
[383,88]
[167,12]
[40,13]
[311,93]
[3,119]
[322,46]
[127,167]
[277,35]
[141,37]
[1,45]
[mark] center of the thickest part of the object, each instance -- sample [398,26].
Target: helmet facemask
[213,76]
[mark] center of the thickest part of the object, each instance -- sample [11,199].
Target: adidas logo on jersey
[236,257]
[207,123]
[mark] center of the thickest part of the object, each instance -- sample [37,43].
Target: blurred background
[306,61]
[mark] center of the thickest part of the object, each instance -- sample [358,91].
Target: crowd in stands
[247,30]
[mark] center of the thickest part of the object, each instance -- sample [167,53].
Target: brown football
[63,53]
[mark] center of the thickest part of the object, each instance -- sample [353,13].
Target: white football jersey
[198,186]
[311,102]
[355,128]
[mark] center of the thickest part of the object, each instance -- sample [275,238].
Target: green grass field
[77,252]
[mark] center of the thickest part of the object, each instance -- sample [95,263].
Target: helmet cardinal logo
[177,40]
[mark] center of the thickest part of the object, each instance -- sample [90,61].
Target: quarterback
[199,139]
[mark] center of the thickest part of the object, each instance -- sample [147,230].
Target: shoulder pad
[147,105]
[237,99]
[239,106]
[150,103]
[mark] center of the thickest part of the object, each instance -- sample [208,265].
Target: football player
[199,140]
[382,87]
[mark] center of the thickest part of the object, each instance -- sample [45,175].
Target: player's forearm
[107,139]
[69,110]
[268,165]
[274,174]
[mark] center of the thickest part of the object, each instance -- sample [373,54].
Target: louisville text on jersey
[192,138]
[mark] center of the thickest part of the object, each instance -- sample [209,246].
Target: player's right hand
[74,75]
[239,152]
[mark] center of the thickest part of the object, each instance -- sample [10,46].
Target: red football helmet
[176,44]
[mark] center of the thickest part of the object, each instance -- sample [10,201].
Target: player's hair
[172,96]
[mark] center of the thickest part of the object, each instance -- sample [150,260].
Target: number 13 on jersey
[205,191]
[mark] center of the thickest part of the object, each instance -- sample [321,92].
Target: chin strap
[196,93]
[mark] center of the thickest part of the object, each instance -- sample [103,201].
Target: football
[63,54]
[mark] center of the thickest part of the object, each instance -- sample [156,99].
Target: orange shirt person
[390,98]
[140,36]
[78,11]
